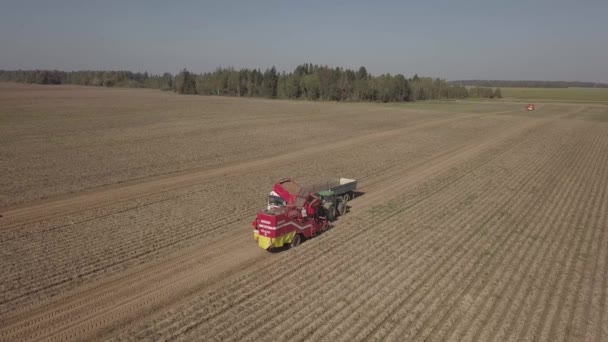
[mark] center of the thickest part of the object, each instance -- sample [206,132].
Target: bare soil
[126,216]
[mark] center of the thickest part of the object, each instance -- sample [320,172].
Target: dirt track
[475,226]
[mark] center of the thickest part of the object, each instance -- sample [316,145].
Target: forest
[305,82]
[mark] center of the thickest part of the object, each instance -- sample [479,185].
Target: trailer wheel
[346,197]
[296,241]
[342,207]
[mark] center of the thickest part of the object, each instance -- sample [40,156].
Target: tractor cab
[332,204]
[327,196]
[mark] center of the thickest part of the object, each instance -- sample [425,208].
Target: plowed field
[126,216]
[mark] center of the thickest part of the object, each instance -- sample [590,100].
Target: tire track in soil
[247,234]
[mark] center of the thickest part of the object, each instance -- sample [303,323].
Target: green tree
[185,83]
[293,86]
[311,87]
[270,82]
[362,74]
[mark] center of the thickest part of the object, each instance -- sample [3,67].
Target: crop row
[531,229]
[74,143]
[330,271]
[411,276]
[418,318]
[76,248]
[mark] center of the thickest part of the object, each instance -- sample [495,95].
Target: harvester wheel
[342,207]
[296,241]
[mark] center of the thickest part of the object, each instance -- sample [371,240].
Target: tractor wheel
[342,207]
[331,213]
[296,240]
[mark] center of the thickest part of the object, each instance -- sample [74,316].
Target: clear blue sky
[543,39]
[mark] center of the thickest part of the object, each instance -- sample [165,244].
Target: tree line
[319,82]
[306,82]
[530,84]
[90,78]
